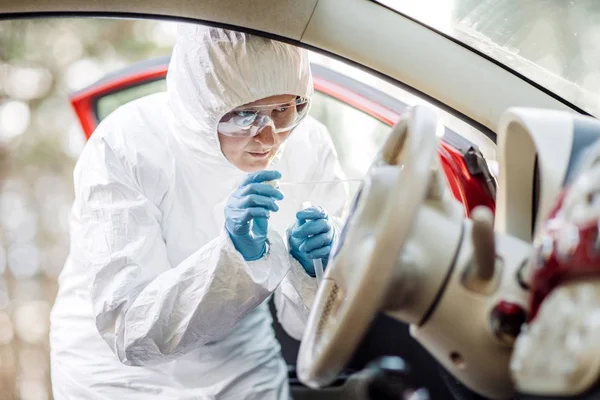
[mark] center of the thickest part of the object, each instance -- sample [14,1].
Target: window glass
[356,135]
[485,144]
[554,43]
[109,103]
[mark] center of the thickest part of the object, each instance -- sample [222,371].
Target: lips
[260,154]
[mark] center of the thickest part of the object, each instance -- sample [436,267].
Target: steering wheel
[355,285]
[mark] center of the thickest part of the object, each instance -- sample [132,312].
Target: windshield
[554,43]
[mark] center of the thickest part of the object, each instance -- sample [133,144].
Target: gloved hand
[311,237]
[247,213]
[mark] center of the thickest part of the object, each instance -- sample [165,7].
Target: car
[476,289]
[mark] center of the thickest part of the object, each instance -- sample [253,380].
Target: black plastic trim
[536,190]
[447,278]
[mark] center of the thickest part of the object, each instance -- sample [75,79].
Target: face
[252,154]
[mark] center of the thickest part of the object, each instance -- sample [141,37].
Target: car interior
[461,155]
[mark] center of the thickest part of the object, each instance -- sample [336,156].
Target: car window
[554,43]
[356,135]
[109,103]
[484,143]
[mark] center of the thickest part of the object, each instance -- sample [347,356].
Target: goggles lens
[249,121]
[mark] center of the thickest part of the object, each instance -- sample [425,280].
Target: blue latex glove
[247,213]
[311,237]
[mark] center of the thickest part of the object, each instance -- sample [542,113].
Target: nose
[266,136]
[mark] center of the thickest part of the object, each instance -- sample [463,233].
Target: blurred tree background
[41,62]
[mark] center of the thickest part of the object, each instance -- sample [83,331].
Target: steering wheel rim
[349,298]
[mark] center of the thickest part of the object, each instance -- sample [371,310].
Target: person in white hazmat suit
[178,240]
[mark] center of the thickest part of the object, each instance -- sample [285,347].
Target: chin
[255,166]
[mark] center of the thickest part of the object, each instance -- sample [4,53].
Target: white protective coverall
[154,300]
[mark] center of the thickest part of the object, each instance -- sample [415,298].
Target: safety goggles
[250,121]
